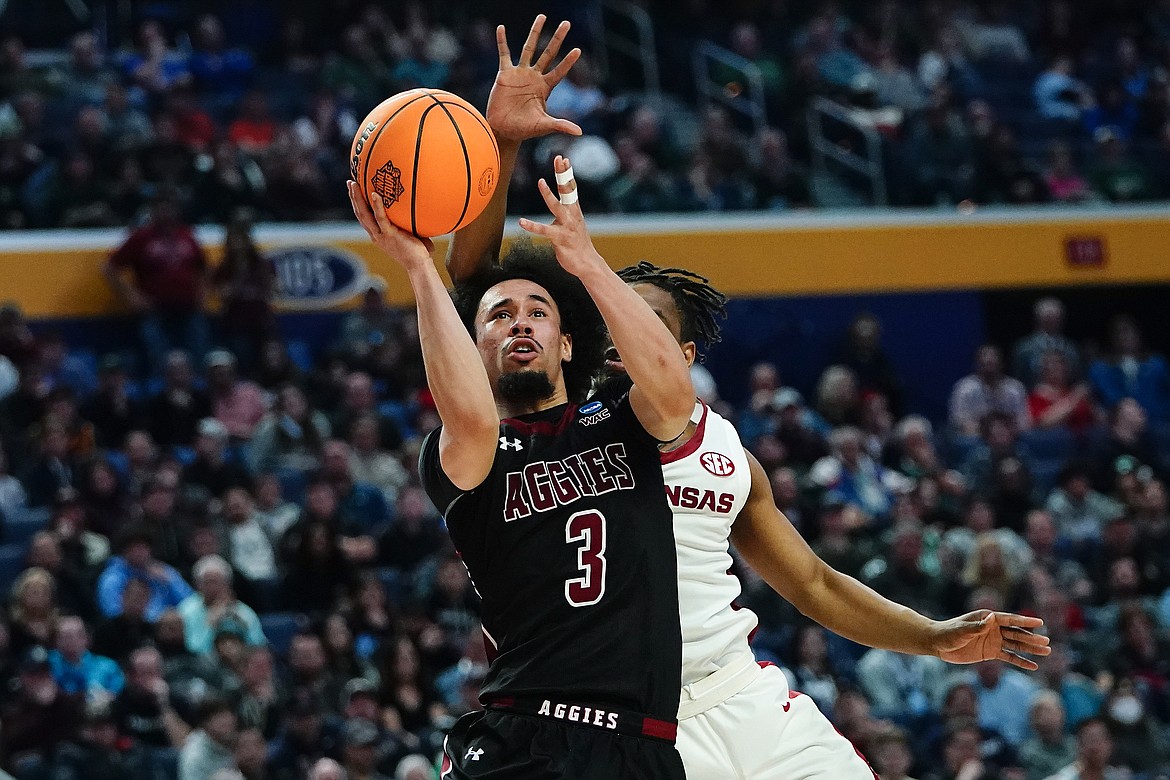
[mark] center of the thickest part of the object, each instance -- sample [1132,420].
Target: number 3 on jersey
[588,530]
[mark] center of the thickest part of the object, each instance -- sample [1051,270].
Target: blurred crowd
[255,104]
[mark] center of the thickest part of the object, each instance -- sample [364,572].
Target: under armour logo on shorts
[510,444]
[473,754]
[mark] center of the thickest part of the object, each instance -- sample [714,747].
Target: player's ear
[690,352]
[566,348]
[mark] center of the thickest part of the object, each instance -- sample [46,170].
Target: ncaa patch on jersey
[593,407]
[717,464]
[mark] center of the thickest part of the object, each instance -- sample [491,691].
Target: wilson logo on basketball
[388,183]
[486,182]
[717,464]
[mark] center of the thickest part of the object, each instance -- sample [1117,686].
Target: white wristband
[569,198]
[566,177]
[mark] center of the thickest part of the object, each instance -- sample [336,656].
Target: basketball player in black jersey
[557,508]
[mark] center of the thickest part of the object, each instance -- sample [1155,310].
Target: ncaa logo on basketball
[717,464]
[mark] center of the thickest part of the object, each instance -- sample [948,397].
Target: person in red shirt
[1055,401]
[255,129]
[167,285]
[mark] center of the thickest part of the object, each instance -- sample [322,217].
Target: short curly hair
[700,306]
[580,318]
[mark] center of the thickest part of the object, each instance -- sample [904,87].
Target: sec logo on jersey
[717,464]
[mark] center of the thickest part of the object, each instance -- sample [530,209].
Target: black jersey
[569,542]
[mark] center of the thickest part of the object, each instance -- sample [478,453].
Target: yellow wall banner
[58,273]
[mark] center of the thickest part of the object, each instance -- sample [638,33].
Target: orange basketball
[432,158]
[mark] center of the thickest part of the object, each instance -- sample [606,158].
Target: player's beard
[525,387]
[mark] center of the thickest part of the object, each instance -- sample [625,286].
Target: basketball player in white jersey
[736,719]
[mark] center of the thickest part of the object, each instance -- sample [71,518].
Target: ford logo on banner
[316,277]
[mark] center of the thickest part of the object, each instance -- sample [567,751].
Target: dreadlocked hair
[700,306]
[580,318]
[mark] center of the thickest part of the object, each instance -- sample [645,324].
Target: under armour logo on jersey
[510,444]
[473,754]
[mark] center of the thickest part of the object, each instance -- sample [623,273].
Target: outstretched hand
[517,109]
[568,233]
[408,249]
[984,635]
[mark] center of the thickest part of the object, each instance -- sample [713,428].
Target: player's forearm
[455,373]
[855,611]
[477,246]
[650,353]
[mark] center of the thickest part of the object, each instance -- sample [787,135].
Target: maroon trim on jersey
[659,729]
[543,428]
[793,694]
[692,444]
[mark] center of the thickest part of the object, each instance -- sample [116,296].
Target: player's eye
[539,313]
[501,315]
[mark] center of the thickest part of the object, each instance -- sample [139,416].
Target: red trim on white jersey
[692,444]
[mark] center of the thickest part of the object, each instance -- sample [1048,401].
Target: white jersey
[707,484]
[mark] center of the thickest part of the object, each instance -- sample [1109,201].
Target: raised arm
[455,373]
[769,543]
[516,112]
[663,396]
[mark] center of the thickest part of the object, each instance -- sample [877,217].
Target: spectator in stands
[54,470]
[246,284]
[154,65]
[1130,371]
[1117,175]
[71,573]
[251,754]
[1055,402]
[1138,740]
[36,717]
[985,391]
[173,414]
[32,611]
[211,469]
[290,437]
[221,71]
[1094,754]
[111,410]
[1059,94]
[938,151]
[79,671]
[276,367]
[254,129]
[169,287]
[143,710]
[231,182]
[209,747]
[372,463]
[119,636]
[360,750]
[415,534]
[899,575]
[852,474]
[13,499]
[1005,697]
[1080,512]
[579,99]
[317,570]
[96,753]
[274,514]
[371,324]
[237,403]
[167,588]
[361,506]
[1127,448]
[361,399]
[306,739]
[838,543]
[247,547]
[262,697]
[839,397]
[1064,182]
[901,685]
[889,751]
[1050,748]
[214,608]
[1048,336]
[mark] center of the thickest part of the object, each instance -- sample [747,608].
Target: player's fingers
[563,67]
[383,220]
[551,124]
[502,47]
[535,228]
[554,47]
[530,43]
[1017,621]
[1036,642]
[361,210]
[1015,660]
[566,182]
[550,200]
